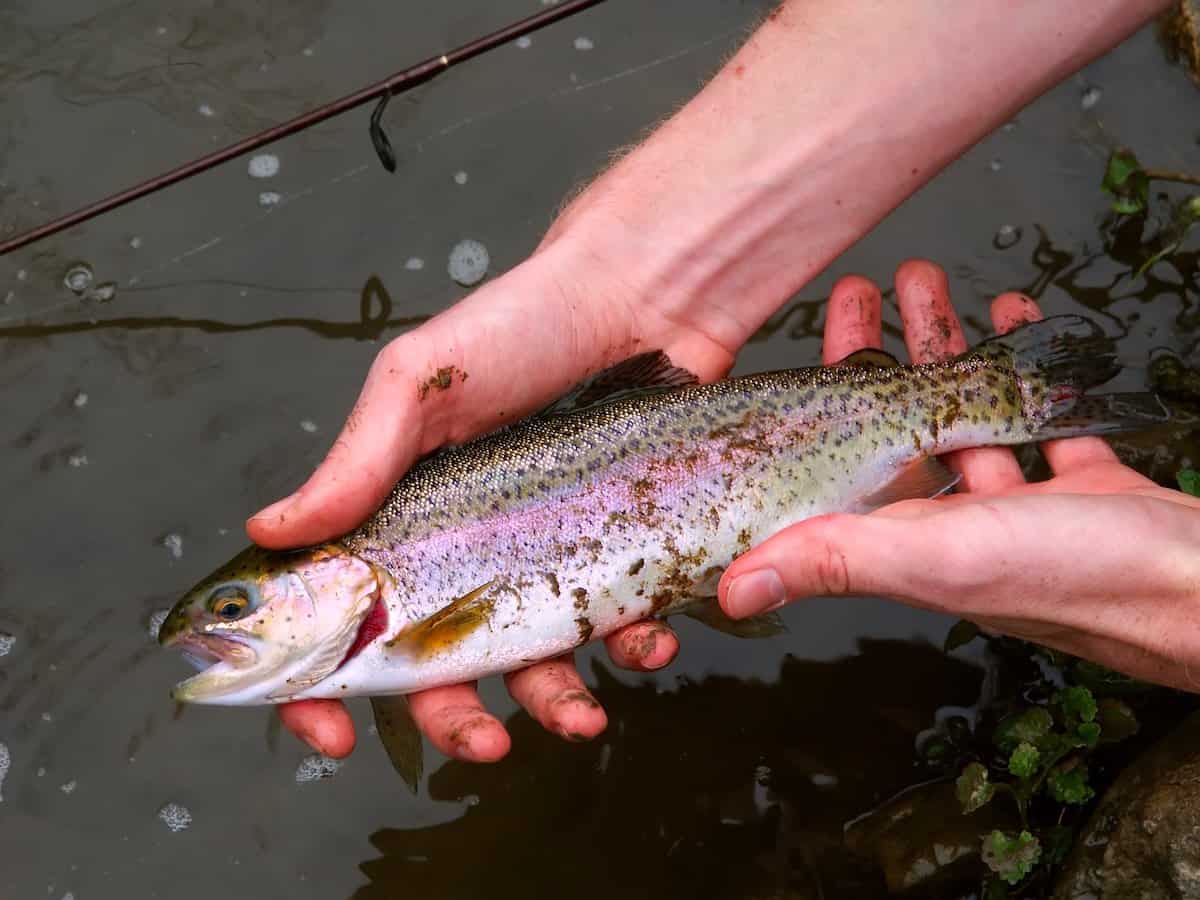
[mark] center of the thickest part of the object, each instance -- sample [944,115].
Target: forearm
[823,122]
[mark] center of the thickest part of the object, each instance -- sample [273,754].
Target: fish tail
[1055,362]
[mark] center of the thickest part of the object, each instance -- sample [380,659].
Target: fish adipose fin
[645,373]
[1056,361]
[400,737]
[920,480]
[448,625]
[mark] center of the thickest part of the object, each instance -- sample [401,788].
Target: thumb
[832,555]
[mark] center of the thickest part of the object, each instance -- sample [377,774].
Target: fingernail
[755,592]
[276,511]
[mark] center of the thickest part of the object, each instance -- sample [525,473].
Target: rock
[1143,840]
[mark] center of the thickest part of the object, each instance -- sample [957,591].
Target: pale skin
[802,142]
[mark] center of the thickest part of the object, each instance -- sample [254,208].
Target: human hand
[1098,561]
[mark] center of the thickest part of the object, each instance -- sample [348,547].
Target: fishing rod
[382,90]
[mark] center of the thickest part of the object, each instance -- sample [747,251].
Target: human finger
[554,694]
[325,725]
[1010,311]
[852,319]
[643,646]
[932,333]
[455,721]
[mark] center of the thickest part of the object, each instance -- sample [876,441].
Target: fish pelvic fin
[923,479]
[448,625]
[1055,362]
[708,612]
[400,737]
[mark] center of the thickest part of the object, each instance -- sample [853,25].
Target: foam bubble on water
[307,51]
[154,622]
[524,42]
[78,278]
[1090,97]
[104,292]
[469,262]
[414,264]
[995,165]
[174,543]
[269,198]
[460,177]
[308,425]
[22,274]
[5,763]
[10,297]
[175,817]
[1006,236]
[79,400]
[265,165]
[316,766]
[68,787]
[205,110]
[68,896]
[46,717]
[7,642]
[470,800]
[77,460]
[583,43]
[135,242]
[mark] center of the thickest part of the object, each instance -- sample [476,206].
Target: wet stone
[7,642]
[1006,236]
[78,278]
[175,817]
[265,165]
[469,261]
[315,767]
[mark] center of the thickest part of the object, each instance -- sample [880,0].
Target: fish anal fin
[449,625]
[400,737]
[869,358]
[645,373]
[709,612]
[923,479]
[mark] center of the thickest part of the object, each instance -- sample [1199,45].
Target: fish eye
[228,603]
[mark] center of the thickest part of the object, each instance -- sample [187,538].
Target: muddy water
[139,431]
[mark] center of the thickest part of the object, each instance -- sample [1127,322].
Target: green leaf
[1077,703]
[961,632]
[1059,839]
[1011,856]
[1070,785]
[995,890]
[1127,182]
[973,788]
[1030,727]
[1024,759]
[1116,720]
[1087,734]
[1189,482]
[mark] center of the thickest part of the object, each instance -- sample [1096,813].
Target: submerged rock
[1143,839]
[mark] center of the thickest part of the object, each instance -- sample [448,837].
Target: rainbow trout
[626,500]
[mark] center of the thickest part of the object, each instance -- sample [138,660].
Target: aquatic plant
[1128,181]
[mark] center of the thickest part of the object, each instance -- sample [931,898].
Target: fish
[625,500]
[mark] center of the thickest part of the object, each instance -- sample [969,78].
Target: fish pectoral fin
[709,613]
[869,358]
[923,479]
[400,737]
[448,625]
[645,373]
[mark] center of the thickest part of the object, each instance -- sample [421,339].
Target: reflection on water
[716,788]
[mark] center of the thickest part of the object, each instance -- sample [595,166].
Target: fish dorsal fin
[400,737]
[710,613]
[869,358]
[923,479]
[448,625]
[645,373]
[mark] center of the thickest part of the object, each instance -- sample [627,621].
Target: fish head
[269,624]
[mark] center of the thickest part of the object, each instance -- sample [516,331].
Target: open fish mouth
[207,650]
